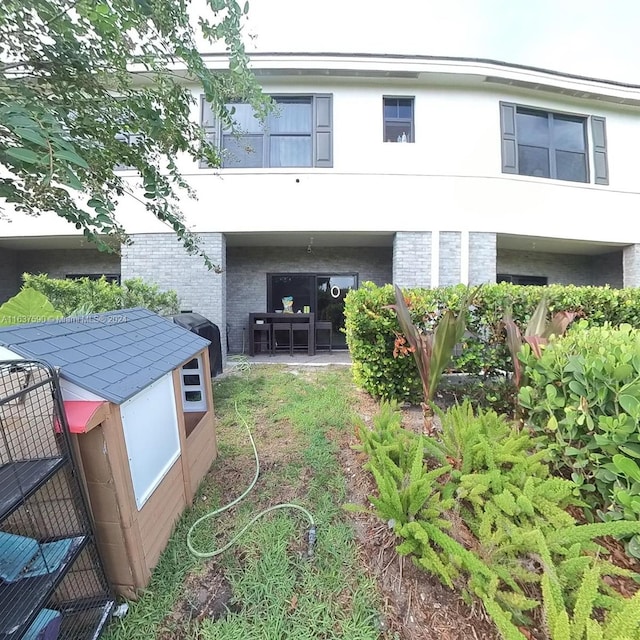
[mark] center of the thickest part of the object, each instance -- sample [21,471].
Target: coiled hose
[213,514]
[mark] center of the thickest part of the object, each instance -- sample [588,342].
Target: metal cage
[52,583]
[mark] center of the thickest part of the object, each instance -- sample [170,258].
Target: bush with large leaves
[583,392]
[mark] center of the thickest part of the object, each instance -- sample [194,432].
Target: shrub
[477,504]
[583,393]
[83,295]
[370,327]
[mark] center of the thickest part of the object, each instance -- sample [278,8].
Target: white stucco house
[418,170]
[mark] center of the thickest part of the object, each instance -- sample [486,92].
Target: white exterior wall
[449,179]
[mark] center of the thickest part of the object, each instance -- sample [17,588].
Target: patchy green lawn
[265,587]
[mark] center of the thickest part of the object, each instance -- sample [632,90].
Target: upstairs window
[298,133]
[130,140]
[398,119]
[545,144]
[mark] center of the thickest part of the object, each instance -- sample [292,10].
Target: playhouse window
[194,398]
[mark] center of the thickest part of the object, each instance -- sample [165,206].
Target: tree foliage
[90,85]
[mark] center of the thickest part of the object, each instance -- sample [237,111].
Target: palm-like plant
[432,349]
[537,333]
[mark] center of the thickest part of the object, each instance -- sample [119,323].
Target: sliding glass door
[330,293]
[323,294]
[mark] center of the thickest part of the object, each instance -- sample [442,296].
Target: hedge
[86,296]
[371,327]
[583,394]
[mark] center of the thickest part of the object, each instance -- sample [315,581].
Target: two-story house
[417,170]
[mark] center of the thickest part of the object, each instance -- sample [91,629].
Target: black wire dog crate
[52,584]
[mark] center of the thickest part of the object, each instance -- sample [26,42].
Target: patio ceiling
[556,245]
[313,238]
[46,242]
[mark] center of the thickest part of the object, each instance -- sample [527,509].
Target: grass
[277,592]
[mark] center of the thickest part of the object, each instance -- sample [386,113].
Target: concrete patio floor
[340,357]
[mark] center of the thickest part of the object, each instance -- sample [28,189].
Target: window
[398,119]
[298,133]
[130,140]
[552,145]
[537,281]
[112,278]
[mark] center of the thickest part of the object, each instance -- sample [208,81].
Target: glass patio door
[330,294]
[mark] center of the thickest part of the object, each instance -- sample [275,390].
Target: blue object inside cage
[46,626]
[22,557]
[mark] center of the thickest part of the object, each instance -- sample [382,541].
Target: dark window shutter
[508,135]
[600,165]
[323,142]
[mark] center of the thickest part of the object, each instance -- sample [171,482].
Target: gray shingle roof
[114,355]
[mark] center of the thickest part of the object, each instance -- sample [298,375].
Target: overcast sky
[599,39]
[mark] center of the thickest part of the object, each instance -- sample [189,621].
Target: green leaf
[622,371]
[633,546]
[627,466]
[27,306]
[577,388]
[24,155]
[71,156]
[631,449]
[70,179]
[631,405]
[32,136]
[22,121]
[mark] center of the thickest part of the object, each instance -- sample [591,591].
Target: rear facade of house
[420,171]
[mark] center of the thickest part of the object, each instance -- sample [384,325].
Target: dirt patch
[416,604]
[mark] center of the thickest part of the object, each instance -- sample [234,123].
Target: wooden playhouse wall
[131,540]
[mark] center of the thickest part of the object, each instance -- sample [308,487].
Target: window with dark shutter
[545,144]
[298,133]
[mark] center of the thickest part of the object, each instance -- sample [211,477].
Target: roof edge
[429,58]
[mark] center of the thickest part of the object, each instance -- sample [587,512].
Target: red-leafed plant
[536,334]
[431,349]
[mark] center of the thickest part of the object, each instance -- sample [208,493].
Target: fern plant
[497,481]
[577,621]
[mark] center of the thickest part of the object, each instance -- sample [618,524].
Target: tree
[87,85]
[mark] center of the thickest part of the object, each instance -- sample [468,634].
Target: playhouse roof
[114,355]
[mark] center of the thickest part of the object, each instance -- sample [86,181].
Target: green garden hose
[213,514]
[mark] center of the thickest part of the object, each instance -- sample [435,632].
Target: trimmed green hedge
[370,327]
[85,296]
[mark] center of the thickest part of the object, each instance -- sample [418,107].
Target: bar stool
[326,327]
[280,329]
[262,337]
[300,328]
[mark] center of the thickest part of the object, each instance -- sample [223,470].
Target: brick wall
[412,259]
[607,269]
[58,263]
[561,268]
[161,259]
[9,274]
[482,257]
[631,265]
[247,269]
[449,258]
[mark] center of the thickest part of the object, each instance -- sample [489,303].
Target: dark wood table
[308,318]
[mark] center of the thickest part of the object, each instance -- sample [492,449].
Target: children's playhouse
[136,390]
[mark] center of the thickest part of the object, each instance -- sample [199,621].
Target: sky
[597,39]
